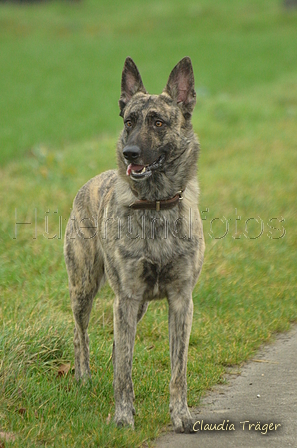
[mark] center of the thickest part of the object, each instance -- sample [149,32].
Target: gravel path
[260,404]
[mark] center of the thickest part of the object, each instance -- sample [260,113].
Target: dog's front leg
[179,323]
[125,322]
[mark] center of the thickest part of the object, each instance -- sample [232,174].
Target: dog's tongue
[134,168]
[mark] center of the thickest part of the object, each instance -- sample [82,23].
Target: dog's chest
[147,261]
[155,277]
[146,269]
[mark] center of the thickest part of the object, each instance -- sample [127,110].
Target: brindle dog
[139,227]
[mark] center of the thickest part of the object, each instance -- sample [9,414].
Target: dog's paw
[124,418]
[82,373]
[84,380]
[182,421]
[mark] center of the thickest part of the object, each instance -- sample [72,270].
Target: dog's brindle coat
[107,235]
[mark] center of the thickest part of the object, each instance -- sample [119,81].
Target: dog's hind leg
[81,302]
[142,310]
[179,323]
[85,272]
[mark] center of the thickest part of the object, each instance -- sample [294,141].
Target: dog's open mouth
[138,172]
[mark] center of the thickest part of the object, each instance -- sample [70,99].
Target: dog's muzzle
[136,171]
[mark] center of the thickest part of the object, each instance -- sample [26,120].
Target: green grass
[60,62]
[60,78]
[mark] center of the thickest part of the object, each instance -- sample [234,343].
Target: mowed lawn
[60,75]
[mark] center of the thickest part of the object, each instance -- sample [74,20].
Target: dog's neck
[157,205]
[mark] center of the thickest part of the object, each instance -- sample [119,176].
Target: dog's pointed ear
[181,86]
[131,83]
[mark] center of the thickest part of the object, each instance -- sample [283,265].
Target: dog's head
[156,127]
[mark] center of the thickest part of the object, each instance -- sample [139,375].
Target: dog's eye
[128,124]
[158,123]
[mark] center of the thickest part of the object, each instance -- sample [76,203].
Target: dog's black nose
[131,152]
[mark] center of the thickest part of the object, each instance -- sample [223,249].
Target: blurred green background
[61,64]
[61,61]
